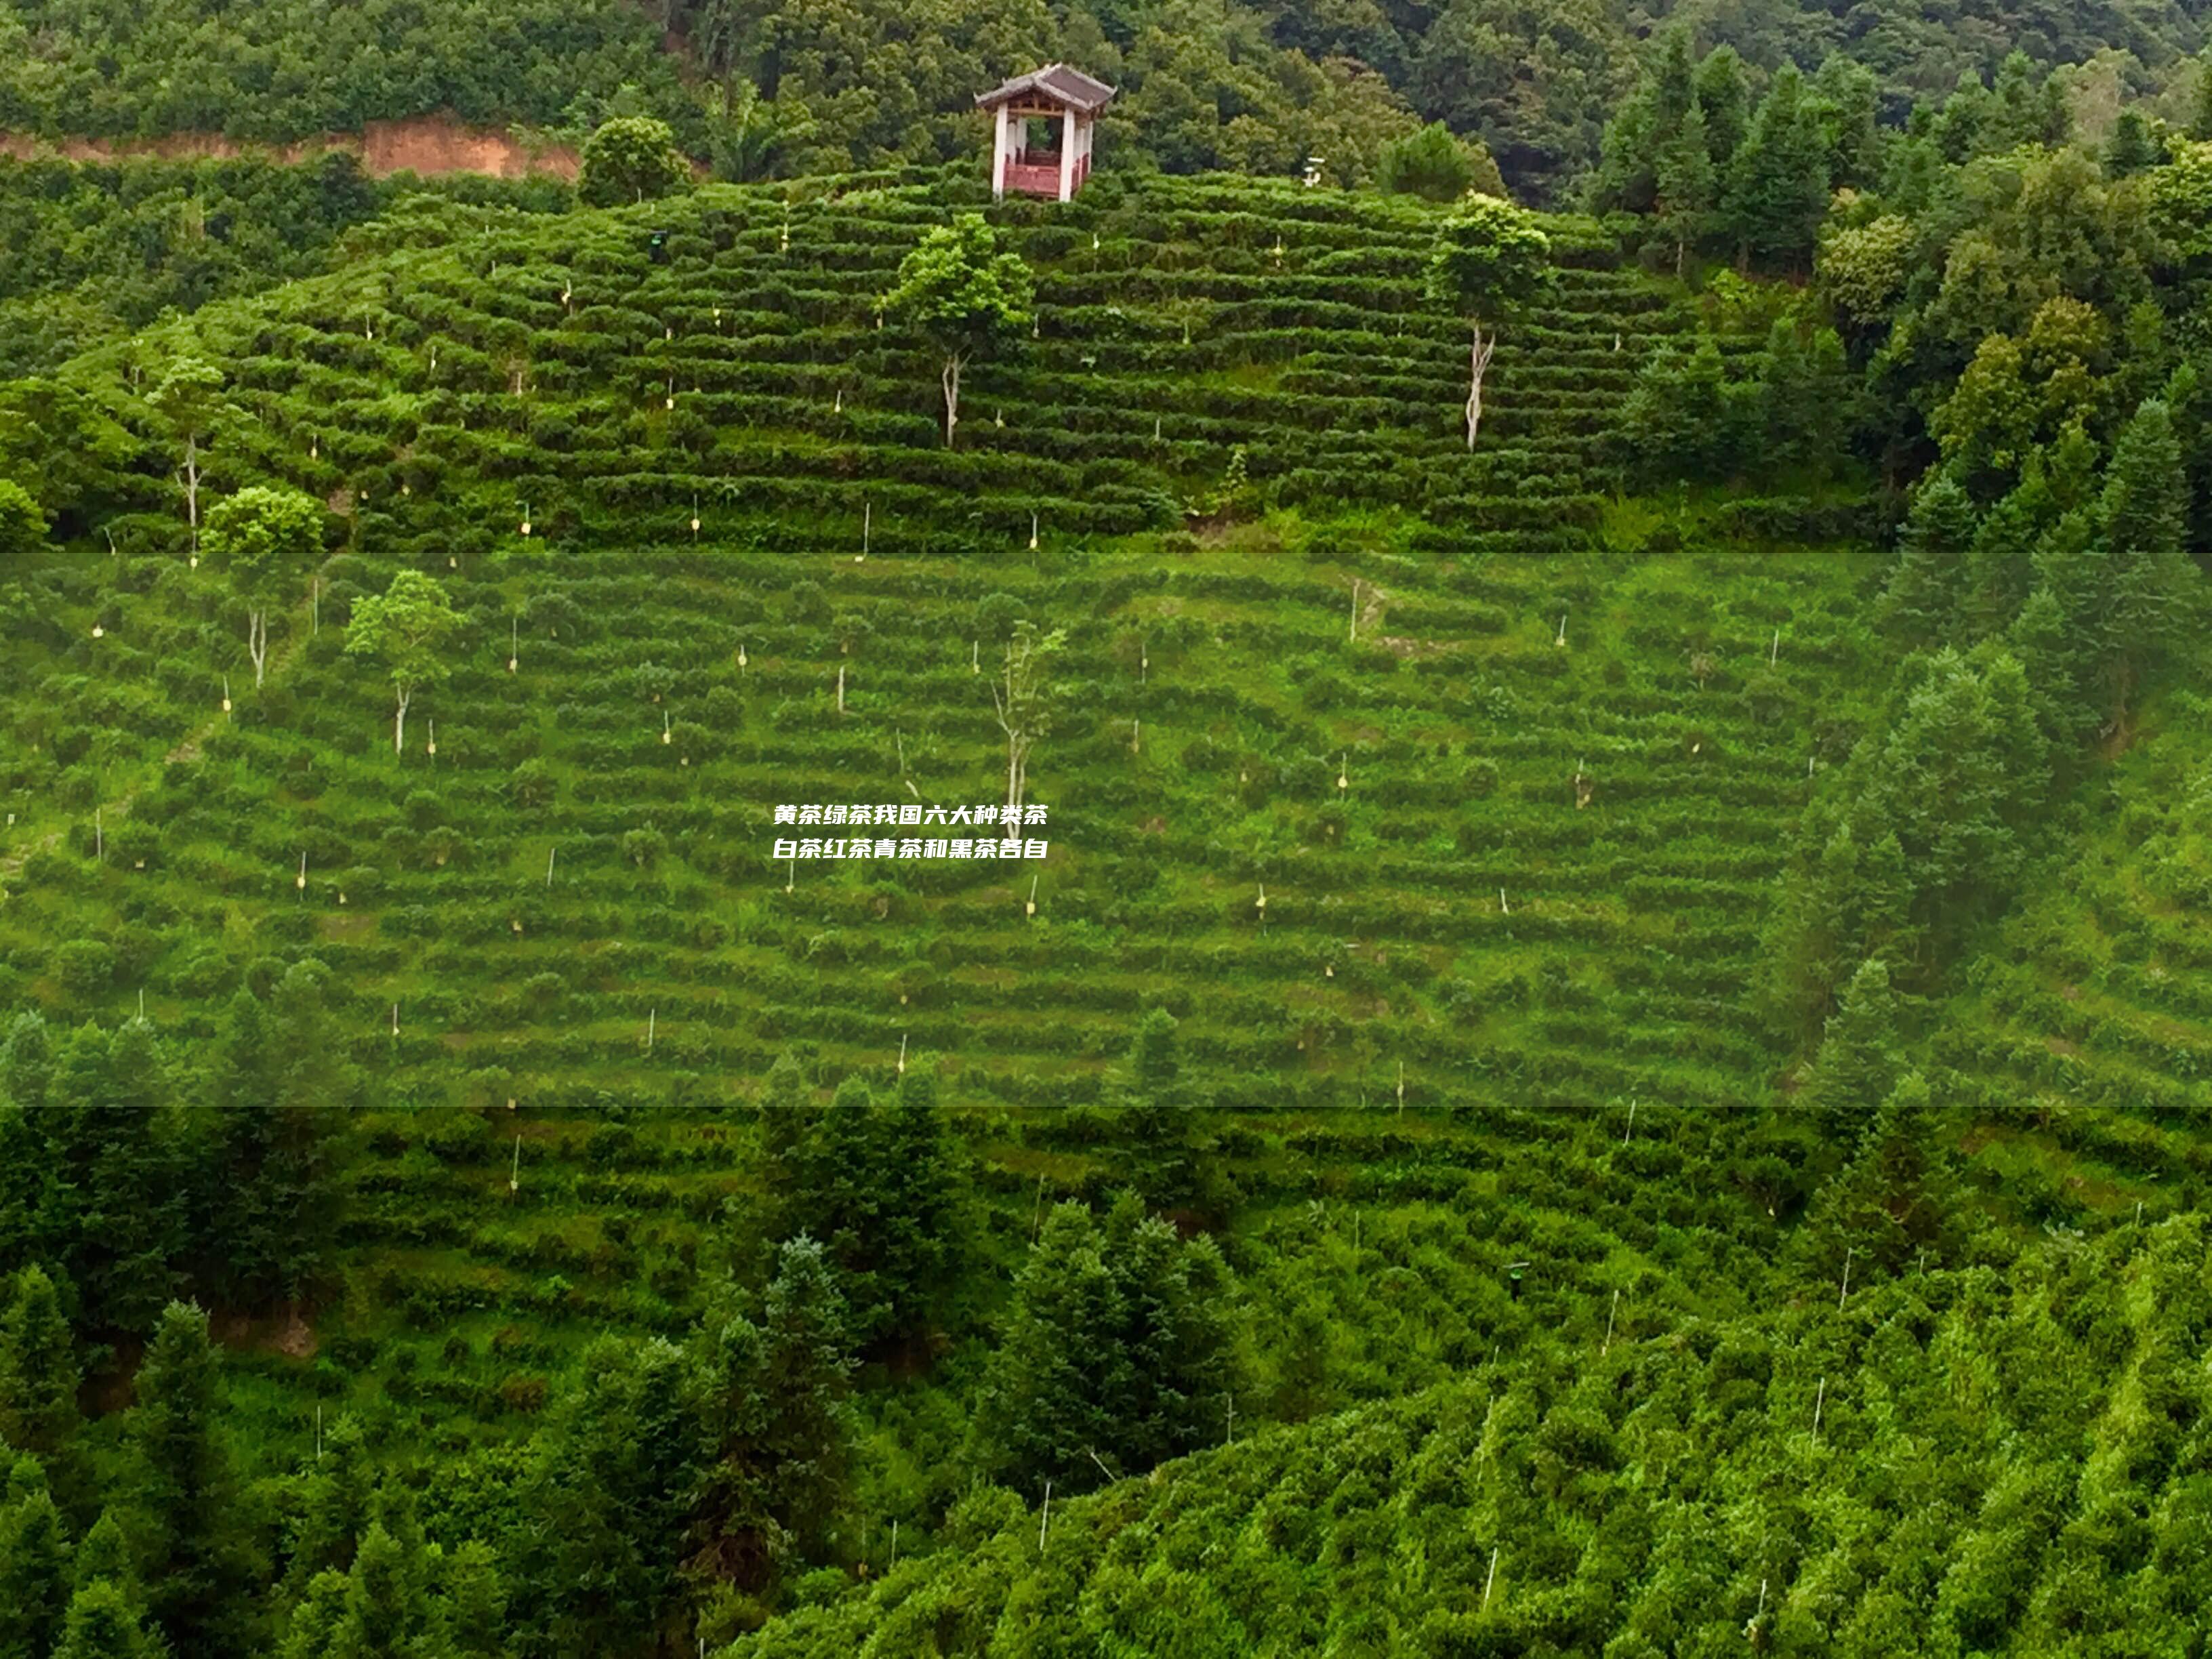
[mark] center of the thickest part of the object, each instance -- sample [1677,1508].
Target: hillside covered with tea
[1597,1039]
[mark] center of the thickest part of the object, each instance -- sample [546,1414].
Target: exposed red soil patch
[425,144]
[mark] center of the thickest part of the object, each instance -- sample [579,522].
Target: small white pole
[1846,1291]
[1819,1400]
[1044,1517]
[902,1060]
[1631,1129]
[894,1560]
[549,852]
[651,1017]
[1490,1579]
[514,1172]
[1609,1318]
[319,1434]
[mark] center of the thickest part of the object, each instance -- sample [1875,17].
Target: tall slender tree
[181,1497]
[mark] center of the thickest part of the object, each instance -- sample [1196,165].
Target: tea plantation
[1418,817]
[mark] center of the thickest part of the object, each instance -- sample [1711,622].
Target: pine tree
[34,1563]
[2155,594]
[1925,585]
[922,1242]
[472,1614]
[779,1422]
[1805,394]
[1723,92]
[1057,1370]
[606,1501]
[38,1372]
[105,1621]
[807,1379]
[335,1495]
[1173,1337]
[1679,422]
[1857,1064]
[1685,186]
[1777,181]
[180,1499]
[271,1202]
[1897,1201]
[2131,148]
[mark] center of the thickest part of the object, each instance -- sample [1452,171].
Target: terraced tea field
[1511,763]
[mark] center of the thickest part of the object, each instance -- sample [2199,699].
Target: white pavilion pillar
[1068,138]
[999,157]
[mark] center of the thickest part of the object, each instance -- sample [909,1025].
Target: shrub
[85,966]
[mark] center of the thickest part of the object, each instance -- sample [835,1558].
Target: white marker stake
[514,1172]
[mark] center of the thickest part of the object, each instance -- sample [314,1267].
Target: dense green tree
[629,159]
[1897,1204]
[106,1621]
[1117,1354]
[272,1200]
[1777,191]
[1533,81]
[1490,258]
[1859,1057]
[1677,422]
[2132,149]
[1430,163]
[332,1508]
[1920,600]
[34,1563]
[1686,191]
[39,1369]
[964,297]
[876,1181]
[610,1489]
[778,1422]
[404,630]
[264,541]
[22,526]
[181,1499]
[97,1148]
[2154,593]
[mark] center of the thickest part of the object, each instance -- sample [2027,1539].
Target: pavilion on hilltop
[1045,121]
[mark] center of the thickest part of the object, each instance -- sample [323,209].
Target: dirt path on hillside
[425,144]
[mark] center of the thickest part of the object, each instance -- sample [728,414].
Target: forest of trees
[763,89]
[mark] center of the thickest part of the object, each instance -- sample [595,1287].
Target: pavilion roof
[1084,94]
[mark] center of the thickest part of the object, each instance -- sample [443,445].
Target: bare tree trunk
[952,381]
[191,479]
[400,724]
[257,641]
[1478,365]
